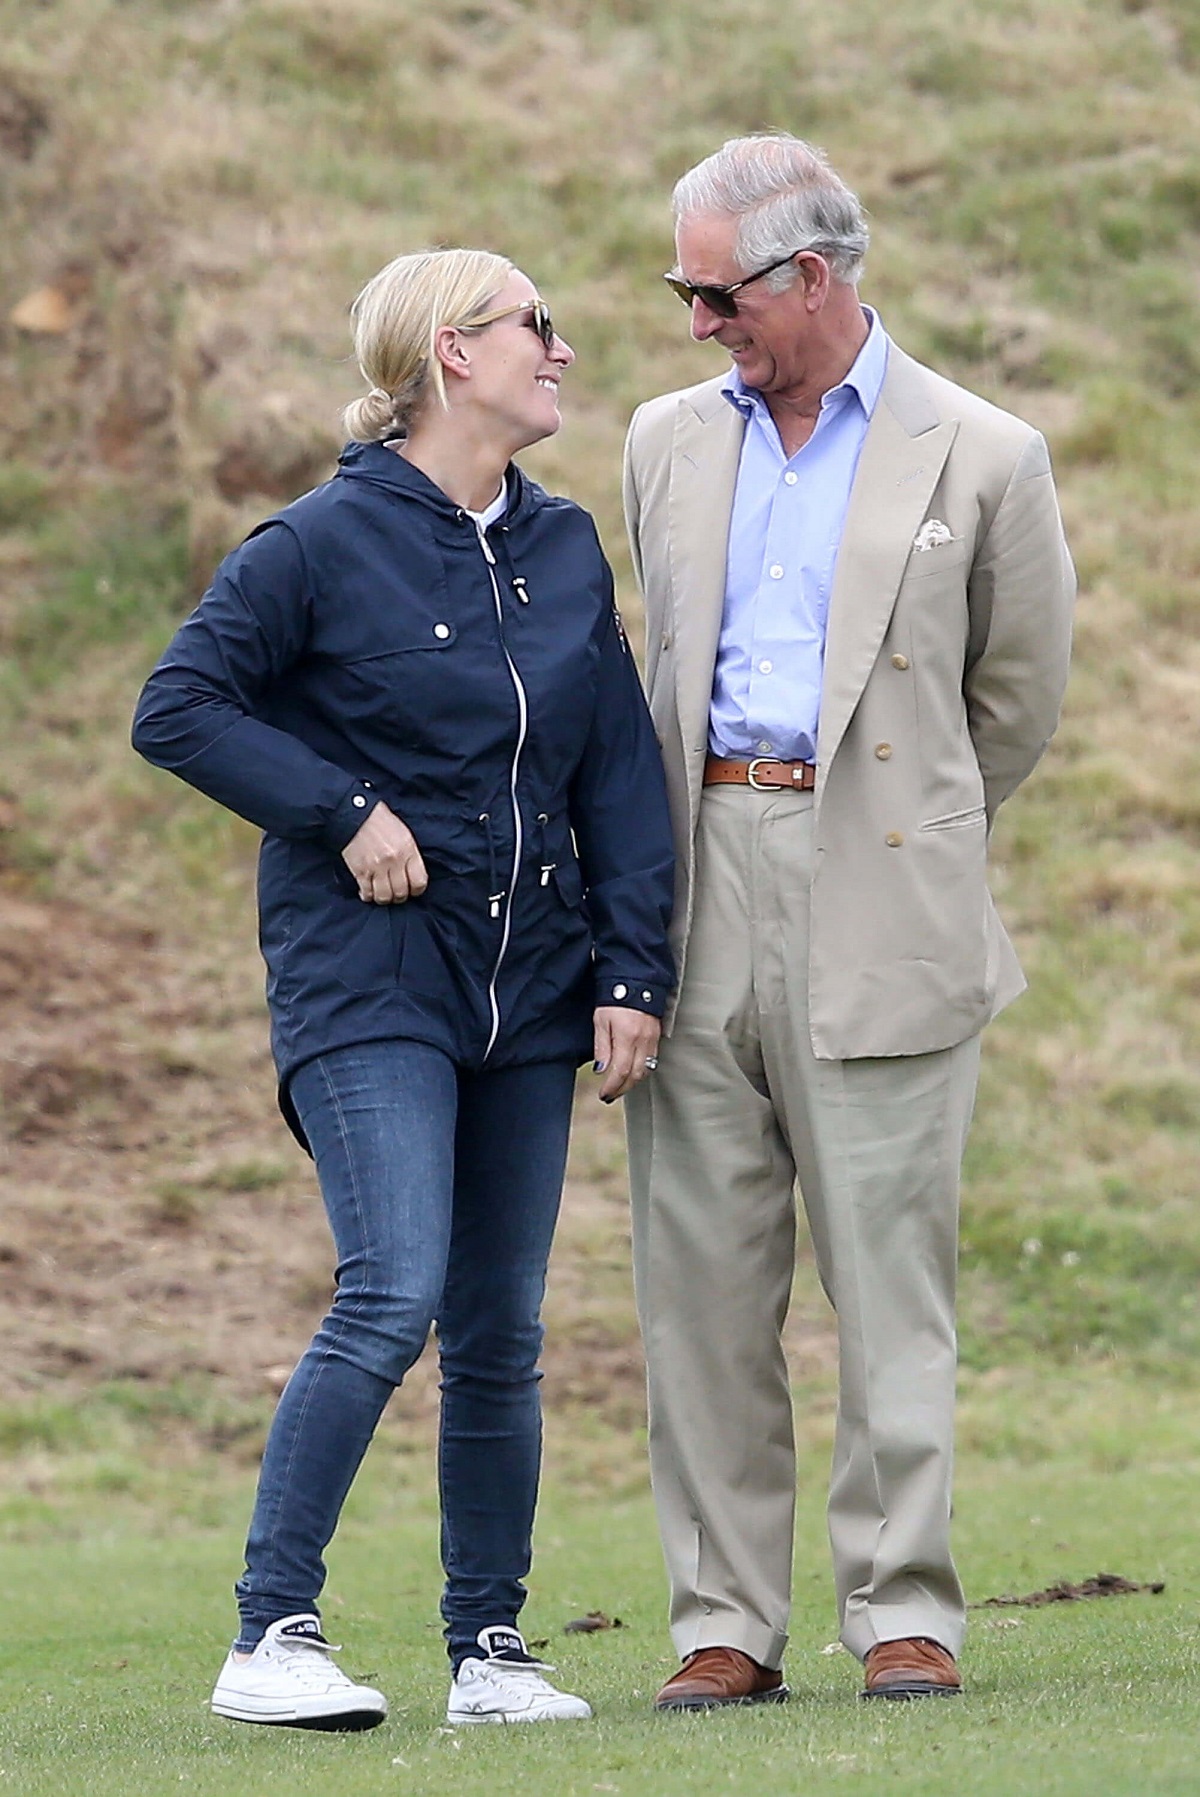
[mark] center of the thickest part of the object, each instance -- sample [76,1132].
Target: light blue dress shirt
[784,535]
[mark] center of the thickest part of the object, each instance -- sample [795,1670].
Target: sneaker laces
[308,1661]
[516,1678]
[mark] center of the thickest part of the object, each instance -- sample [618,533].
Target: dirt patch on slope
[157,1222]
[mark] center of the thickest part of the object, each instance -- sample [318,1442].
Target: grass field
[204,187]
[111,1648]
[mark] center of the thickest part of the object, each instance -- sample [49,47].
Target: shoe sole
[453,1721]
[905,1693]
[343,1722]
[780,1694]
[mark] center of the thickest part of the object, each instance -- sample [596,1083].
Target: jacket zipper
[522,729]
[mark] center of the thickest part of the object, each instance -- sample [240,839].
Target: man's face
[770,339]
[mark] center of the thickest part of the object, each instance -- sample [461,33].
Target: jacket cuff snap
[634,994]
[350,814]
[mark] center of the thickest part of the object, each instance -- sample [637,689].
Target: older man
[858,613]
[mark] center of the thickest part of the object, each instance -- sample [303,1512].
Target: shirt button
[883,751]
[764,748]
[776,572]
[764,667]
[441,631]
[620,991]
[894,839]
[358,800]
[790,478]
[900,661]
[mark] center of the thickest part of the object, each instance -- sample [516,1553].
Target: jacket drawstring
[547,867]
[498,893]
[516,581]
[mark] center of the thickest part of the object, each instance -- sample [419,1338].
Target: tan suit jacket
[944,673]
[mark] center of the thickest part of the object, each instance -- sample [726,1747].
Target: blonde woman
[415,682]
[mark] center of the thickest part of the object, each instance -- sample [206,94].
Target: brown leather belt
[764,774]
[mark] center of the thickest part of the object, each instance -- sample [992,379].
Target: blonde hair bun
[395,322]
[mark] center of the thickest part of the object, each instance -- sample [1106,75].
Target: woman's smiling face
[514,376]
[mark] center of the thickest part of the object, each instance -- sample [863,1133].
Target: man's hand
[384,858]
[624,1040]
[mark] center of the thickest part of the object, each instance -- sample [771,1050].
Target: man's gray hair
[785,197]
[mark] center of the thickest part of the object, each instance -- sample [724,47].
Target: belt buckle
[761,761]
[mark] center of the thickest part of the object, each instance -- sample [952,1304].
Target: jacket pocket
[408,638]
[370,959]
[398,946]
[943,558]
[956,820]
[568,883]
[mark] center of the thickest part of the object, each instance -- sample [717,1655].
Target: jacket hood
[380,466]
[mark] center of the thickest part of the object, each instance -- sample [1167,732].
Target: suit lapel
[704,463]
[902,458]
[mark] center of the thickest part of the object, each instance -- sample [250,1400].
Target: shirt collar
[865,377]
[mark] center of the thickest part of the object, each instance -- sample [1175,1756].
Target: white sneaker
[291,1679]
[506,1685]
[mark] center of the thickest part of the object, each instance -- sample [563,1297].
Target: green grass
[114,1628]
[114,571]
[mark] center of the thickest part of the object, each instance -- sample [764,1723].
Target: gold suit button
[894,839]
[883,751]
[900,661]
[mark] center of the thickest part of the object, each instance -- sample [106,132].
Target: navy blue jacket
[361,646]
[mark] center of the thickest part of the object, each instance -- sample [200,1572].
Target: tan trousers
[738,1112]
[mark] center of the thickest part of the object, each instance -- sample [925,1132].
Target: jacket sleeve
[1021,592]
[197,712]
[622,828]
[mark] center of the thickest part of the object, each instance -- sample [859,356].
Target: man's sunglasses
[539,319]
[721,299]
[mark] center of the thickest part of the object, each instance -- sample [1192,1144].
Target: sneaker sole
[453,1721]
[350,1721]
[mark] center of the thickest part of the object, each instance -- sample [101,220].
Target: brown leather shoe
[913,1668]
[714,1676]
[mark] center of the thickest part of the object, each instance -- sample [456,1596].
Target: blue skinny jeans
[442,1189]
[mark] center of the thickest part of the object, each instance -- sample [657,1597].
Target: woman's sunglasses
[539,319]
[720,299]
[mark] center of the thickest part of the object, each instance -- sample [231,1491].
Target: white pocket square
[932,534]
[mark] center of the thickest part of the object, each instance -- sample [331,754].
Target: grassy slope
[227,175]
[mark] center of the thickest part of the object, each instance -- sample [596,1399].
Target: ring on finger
[650,1063]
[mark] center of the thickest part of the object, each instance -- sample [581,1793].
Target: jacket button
[647,996]
[883,751]
[620,991]
[900,661]
[358,801]
[441,631]
[666,642]
[894,839]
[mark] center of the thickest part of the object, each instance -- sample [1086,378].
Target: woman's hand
[625,1039]
[384,858]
